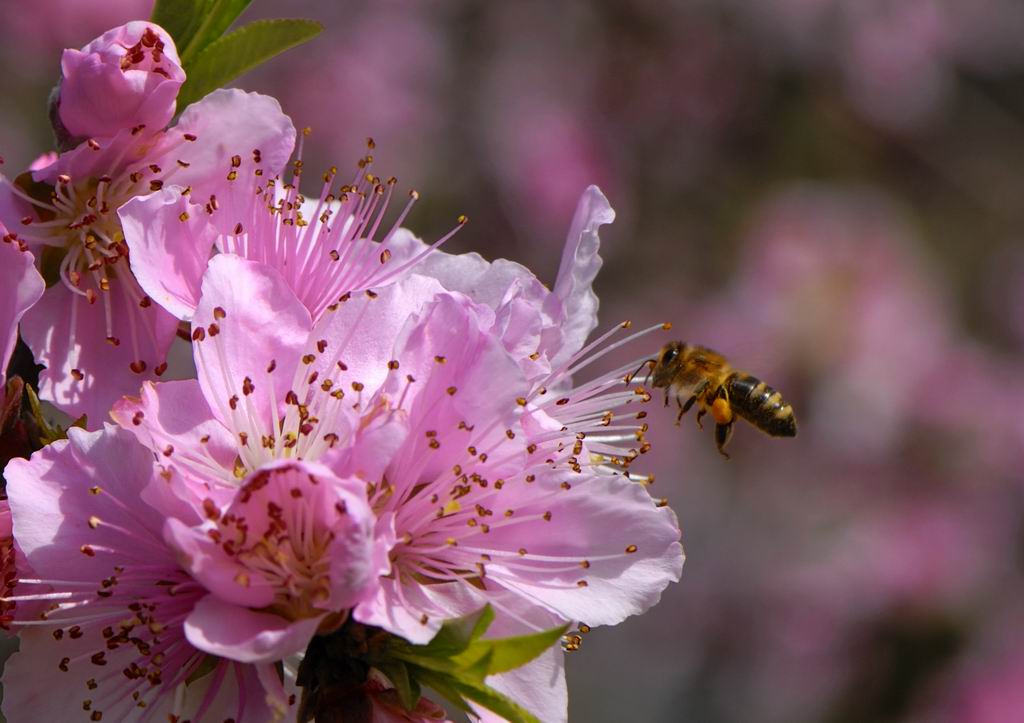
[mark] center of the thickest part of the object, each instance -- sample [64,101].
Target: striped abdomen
[760,405]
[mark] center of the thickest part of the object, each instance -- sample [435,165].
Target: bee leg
[666,396]
[722,434]
[698,391]
[684,408]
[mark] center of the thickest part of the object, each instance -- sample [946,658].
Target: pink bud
[127,77]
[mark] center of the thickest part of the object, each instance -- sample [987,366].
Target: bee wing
[750,353]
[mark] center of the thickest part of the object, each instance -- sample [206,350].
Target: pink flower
[126,77]
[497,483]
[487,484]
[343,391]
[324,248]
[89,515]
[95,329]
[294,546]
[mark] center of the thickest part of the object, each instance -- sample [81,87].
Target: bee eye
[669,356]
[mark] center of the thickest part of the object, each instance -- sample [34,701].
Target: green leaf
[216,21]
[461,650]
[440,665]
[445,687]
[457,691]
[457,662]
[457,634]
[181,18]
[494,701]
[407,688]
[237,52]
[477,670]
[510,653]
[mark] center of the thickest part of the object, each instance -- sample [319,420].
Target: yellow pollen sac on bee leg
[721,412]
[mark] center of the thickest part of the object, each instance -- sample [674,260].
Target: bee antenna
[646,363]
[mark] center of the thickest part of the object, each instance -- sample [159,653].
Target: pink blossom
[294,545]
[369,394]
[128,76]
[324,248]
[95,329]
[496,481]
[89,514]
[492,485]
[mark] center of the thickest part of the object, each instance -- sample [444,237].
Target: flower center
[145,54]
[280,532]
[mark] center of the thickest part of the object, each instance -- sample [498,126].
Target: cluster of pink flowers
[377,431]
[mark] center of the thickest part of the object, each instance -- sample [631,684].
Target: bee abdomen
[760,405]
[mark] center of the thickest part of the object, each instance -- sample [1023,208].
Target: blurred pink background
[828,192]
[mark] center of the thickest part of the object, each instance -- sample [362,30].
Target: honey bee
[698,375]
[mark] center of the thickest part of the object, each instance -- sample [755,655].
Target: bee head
[667,363]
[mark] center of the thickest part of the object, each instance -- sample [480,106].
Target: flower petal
[90,364]
[362,332]
[224,693]
[463,376]
[170,242]
[227,123]
[248,636]
[580,264]
[416,612]
[248,326]
[217,573]
[591,547]
[20,287]
[174,420]
[483,281]
[56,510]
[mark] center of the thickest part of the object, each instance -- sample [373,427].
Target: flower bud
[127,77]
